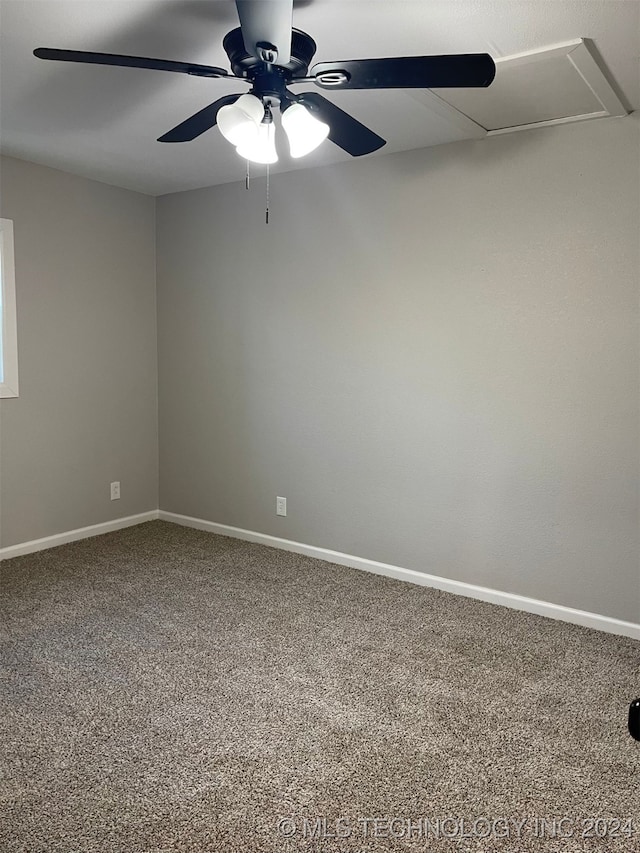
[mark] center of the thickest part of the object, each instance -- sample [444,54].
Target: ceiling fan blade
[267,22]
[346,131]
[129,61]
[408,72]
[198,123]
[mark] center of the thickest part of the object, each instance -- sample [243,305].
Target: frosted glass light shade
[239,122]
[262,147]
[304,131]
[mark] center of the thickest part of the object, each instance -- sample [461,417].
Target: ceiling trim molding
[566,120]
[585,60]
[427,98]
[526,57]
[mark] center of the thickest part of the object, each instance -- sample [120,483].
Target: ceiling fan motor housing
[243,64]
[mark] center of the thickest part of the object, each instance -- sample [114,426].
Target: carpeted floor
[168,690]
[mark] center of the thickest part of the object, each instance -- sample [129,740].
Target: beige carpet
[167,690]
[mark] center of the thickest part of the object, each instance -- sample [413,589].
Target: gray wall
[433,355]
[87,350]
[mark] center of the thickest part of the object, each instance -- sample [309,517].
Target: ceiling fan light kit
[248,125]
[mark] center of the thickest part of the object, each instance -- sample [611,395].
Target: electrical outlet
[115,491]
[281,506]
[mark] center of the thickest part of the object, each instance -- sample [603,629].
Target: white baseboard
[482,593]
[493,596]
[74,535]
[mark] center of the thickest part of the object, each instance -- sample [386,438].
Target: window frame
[8,317]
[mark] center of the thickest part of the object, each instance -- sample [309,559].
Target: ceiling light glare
[239,123]
[262,147]
[304,131]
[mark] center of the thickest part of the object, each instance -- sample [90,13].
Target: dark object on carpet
[167,690]
[634,719]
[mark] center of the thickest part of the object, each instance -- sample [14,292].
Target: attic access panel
[552,86]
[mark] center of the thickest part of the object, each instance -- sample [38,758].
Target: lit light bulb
[304,131]
[262,147]
[239,123]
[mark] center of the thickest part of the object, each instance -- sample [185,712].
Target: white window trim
[9,385]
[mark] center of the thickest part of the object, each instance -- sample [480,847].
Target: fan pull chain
[266,213]
[247,177]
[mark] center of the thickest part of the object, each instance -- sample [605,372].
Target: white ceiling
[103,122]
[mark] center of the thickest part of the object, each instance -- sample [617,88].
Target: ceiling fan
[269,54]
